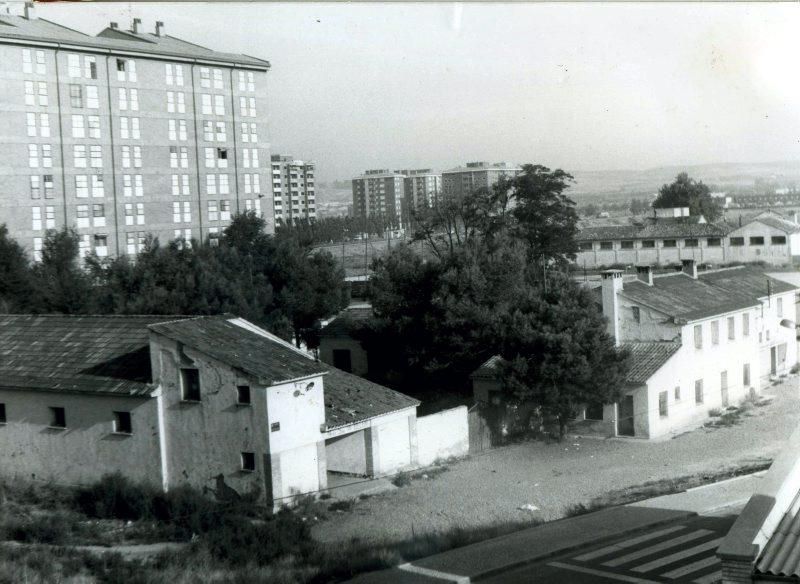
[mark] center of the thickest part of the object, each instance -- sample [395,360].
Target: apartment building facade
[126,134]
[379,193]
[461,181]
[423,188]
[293,188]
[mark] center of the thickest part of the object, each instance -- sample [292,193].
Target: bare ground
[490,487]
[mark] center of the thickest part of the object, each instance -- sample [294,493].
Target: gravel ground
[491,487]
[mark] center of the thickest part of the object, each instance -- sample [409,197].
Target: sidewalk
[495,556]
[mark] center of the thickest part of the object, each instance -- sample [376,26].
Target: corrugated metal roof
[647,358]
[350,399]
[261,355]
[21,29]
[83,354]
[781,555]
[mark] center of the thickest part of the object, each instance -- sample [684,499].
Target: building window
[122,423]
[757,240]
[780,307]
[731,328]
[190,385]
[126,70]
[690,243]
[76,96]
[205,77]
[79,156]
[225,210]
[222,157]
[662,404]
[585,246]
[92,99]
[713,242]
[626,245]
[670,243]
[636,313]
[248,461]
[176,212]
[778,240]
[2,413]
[677,393]
[698,391]
[94,126]
[745,325]
[205,104]
[715,332]
[698,336]
[217,73]
[275,427]
[58,418]
[213,212]
[746,375]
[96,156]
[219,105]
[243,394]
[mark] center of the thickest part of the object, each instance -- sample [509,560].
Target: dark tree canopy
[275,282]
[687,192]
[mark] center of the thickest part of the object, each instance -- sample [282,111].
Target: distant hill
[610,184]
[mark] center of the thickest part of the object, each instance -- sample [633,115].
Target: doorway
[625,426]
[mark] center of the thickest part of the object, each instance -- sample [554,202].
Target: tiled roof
[259,354]
[647,358]
[778,223]
[342,325]
[661,228]
[350,399]
[40,30]
[681,296]
[489,368]
[751,280]
[781,555]
[91,354]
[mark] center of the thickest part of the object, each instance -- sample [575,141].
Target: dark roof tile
[647,358]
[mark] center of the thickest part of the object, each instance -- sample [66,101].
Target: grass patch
[343,505]
[662,487]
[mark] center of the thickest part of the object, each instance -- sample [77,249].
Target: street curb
[566,549]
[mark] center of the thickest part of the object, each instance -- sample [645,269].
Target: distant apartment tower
[293,189]
[423,188]
[461,181]
[378,193]
[126,134]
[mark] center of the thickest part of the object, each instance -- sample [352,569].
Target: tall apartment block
[458,182]
[379,193]
[293,189]
[125,134]
[423,187]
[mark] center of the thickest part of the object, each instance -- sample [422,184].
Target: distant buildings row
[671,236]
[129,133]
[393,193]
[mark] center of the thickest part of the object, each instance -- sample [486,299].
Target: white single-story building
[176,400]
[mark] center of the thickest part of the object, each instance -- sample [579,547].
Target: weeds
[401,479]
[344,505]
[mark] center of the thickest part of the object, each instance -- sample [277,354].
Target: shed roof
[82,354]
[259,354]
[350,399]
[18,28]
[489,368]
[343,323]
[647,358]
[752,280]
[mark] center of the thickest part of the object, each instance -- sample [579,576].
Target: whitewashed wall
[442,435]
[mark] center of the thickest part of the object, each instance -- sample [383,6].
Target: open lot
[491,487]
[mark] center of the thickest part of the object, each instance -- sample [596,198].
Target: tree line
[274,281]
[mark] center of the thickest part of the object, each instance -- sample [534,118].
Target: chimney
[644,274]
[113,25]
[136,23]
[611,287]
[689,268]
[30,11]
[159,28]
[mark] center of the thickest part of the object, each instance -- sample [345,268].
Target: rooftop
[350,399]
[18,29]
[342,324]
[647,358]
[654,229]
[247,348]
[781,555]
[82,354]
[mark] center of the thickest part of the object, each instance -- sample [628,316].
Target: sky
[584,86]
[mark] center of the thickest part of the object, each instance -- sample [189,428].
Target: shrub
[116,497]
[344,505]
[714,413]
[401,479]
[51,528]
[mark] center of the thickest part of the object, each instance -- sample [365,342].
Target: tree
[59,281]
[639,206]
[548,364]
[16,288]
[687,192]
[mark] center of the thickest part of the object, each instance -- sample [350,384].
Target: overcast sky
[576,86]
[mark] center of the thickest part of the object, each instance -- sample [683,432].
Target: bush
[51,528]
[116,497]
[401,479]
[344,505]
[238,541]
